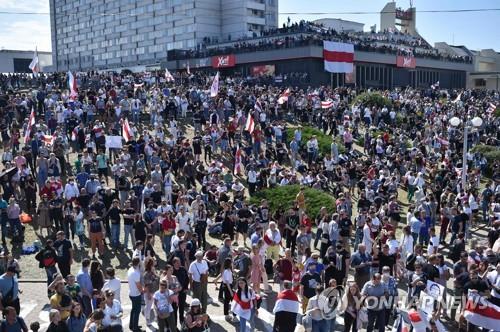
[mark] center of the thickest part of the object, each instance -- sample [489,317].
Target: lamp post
[476,123]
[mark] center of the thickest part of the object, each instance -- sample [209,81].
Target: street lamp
[476,123]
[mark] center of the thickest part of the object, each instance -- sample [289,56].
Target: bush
[372,99]
[491,153]
[284,197]
[324,141]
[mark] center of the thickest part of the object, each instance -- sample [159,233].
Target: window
[479,82]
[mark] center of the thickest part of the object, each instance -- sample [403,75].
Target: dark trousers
[350,323]
[86,305]
[285,321]
[64,268]
[227,297]
[135,313]
[291,240]
[179,308]
[379,317]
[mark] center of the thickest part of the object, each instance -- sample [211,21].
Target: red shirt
[307,222]
[168,225]
[47,191]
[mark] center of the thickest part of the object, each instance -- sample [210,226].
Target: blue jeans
[115,235]
[320,325]
[16,228]
[135,313]
[128,233]
[332,324]
[166,243]
[243,322]
[135,115]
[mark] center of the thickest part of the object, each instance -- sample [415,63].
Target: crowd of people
[174,198]
[309,33]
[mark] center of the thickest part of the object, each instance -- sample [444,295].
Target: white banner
[113,142]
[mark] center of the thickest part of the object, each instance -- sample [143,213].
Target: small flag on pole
[168,76]
[126,131]
[187,69]
[237,161]
[35,65]
[214,89]
[250,124]
[284,97]
[73,89]
[31,122]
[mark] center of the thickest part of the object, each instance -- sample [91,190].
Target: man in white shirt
[198,279]
[71,190]
[113,311]
[113,284]
[135,293]
[183,220]
[272,238]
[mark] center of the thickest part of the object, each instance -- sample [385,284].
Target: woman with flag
[244,304]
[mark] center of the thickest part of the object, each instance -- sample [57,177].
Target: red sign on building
[406,61]
[223,61]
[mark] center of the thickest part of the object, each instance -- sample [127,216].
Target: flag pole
[338,75]
[331,80]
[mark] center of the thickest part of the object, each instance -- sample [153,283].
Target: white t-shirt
[114,310]
[494,279]
[196,269]
[433,242]
[162,300]
[133,277]
[113,285]
[227,277]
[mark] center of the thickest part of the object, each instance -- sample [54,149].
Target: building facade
[101,34]
[338,24]
[12,61]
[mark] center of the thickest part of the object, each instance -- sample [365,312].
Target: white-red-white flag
[491,108]
[327,104]
[214,89]
[284,97]
[238,166]
[48,139]
[73,88]
[31,122]
[188,69]
[35,65]
[339,57]
[258,106]
[74,133]
[168,76]
[126,131]
[481,312]
[287,301]
[417,321]
[250,124]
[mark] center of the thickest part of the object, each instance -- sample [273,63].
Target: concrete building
[338,24]
[392,18]
[101,34]
[486,74]
[12,61]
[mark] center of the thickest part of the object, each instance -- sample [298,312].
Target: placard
[113,142]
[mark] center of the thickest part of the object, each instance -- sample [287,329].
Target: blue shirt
[7,283]
[255,238]
[83,279]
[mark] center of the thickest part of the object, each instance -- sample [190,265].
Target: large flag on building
[481,312]
[35,65]
[287,301]
[284,97]
[339,57]
[214,89]
[168,76]
[73,89]
[31,122]
[126,131]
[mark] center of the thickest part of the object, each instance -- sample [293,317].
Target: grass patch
[284,197]
[324,141]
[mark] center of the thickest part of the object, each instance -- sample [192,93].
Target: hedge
[324,141]
[284,197]
[372,99]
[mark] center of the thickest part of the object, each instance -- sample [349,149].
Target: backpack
[46,258]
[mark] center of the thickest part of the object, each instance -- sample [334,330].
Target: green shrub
[284,197]
[372,99]
[491,153]
[324,141]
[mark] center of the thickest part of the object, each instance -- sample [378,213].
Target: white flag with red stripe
[284,96]
[482,313]
[258,106]
[327,104]
[214,89]
[287,301]
[339,57]
[126,131]
[74,134]
[238,166]
[491,108]
[168,76]
[35,65]
[250,125]
[31,122]
[73,88]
